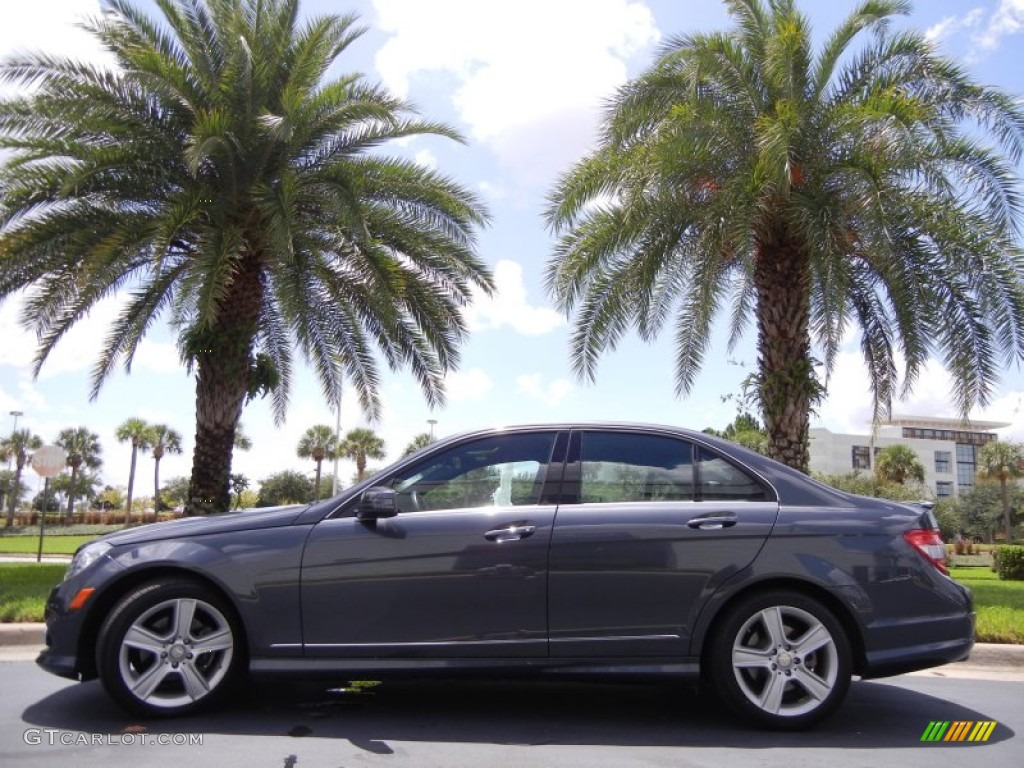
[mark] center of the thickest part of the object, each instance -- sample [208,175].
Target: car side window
[621,467]
[722,481]
[496,471]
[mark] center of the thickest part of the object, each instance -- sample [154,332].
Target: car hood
[239,520]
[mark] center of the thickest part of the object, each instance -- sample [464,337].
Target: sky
[524,82]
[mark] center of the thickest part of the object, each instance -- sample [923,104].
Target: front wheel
[781,659]
[169,648]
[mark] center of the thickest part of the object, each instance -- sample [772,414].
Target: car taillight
[929,544]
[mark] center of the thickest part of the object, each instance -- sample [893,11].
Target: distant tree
[52,500]
[82,486]
[867,485]
[422,440]
[897,464]
[83,450]
[318,443]
[980,510]
[362,444]
[287,487]
[134,431]
[239,483]
[18,446]
[109,498]
[162,440]
[6,483]
[745,430]
[368,472]
[242,441]
[247,499]
[175,492]
[1004,462]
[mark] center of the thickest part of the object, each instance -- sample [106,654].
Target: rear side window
[617,467]
[722,481]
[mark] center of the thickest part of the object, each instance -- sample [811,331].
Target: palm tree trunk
[360,466]
[156,483]
[316,488]
[222,383]
[19,465]
[71,492]
[787,383]
[1005,492]
[131,486]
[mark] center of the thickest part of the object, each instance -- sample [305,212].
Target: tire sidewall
[722,676]
[127,611]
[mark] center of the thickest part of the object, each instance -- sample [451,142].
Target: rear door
[657,524]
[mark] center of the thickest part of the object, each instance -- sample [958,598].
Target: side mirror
[377,502]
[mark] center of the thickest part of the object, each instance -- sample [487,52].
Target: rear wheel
[169,648]
[781,659]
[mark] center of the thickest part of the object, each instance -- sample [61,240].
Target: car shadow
[874,715]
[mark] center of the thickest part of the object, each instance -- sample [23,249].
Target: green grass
[52,545]
[24,587]
[1000,605]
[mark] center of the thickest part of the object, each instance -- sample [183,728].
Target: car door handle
[712,522]
[511,532]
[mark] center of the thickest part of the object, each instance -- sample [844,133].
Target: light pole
[431,422]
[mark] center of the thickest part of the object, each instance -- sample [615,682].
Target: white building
[948,449]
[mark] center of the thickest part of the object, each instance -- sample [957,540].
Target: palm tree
[137,432]
[362,444]
[242,441]
[422,440]
[83,450]
[237,187]
[162,440]
[813,192]
[318,443]
[18,446]
[239,483]
[1002,461]
[897,464]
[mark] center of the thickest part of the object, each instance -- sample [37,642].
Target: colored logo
[958,730]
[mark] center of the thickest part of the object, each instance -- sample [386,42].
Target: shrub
[1008,563]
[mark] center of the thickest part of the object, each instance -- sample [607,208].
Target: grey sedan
[568,549]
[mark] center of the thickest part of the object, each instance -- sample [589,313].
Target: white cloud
[847,409]
[51,26]
[473,384]
[1008,19]
[529,75]
[510,307]
[158,356]
[426,158]
[532,385]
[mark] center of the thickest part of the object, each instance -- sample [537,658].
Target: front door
[459,572]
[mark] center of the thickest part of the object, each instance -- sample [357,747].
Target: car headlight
[86,556]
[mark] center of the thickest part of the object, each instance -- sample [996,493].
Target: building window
[861,457]
[943,462]
[944,489]
[965,465]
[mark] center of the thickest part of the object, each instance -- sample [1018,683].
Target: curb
[27,633]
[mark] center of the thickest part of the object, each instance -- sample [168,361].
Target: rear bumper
[898,661]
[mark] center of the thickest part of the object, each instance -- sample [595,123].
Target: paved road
[501,725]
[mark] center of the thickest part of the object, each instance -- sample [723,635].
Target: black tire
[780,659]
[169,647]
